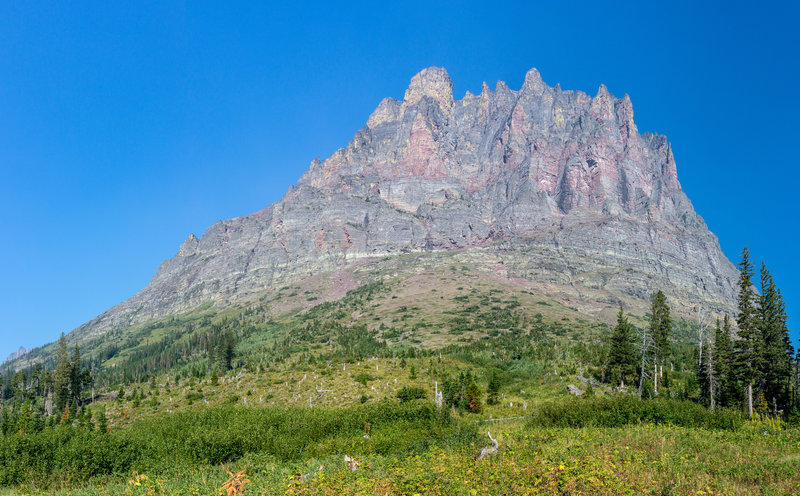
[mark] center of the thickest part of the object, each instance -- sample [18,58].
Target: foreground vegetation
[393,388]
[411,448]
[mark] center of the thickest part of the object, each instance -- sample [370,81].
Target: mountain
[550,186]
[17,354]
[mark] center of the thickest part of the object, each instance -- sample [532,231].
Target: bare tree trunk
[711,378]
[750,399]
[655,374]
[795,384]
[644,356]
[700,356]
[711,394]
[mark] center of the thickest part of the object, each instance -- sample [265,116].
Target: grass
[638,459]
[359,342]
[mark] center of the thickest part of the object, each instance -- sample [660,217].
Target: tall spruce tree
[225,351]
[660,330]
[748,347]
[63,375]
[777,350]
[722,362]
[75,376]
[622,356]
[709,372]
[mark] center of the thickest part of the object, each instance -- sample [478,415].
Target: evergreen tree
[748,347]
[63,375]
[722,362]
[9,420]
[660,330]
[37,422]
[224,351]
[214,377]
[102,422]
[622,356]
[776,347]
[24,417]
[76,377]
[37,374]
[493,389]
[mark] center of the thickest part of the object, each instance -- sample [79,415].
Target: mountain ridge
[559,173]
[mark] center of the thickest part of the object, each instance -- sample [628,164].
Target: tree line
[753,367]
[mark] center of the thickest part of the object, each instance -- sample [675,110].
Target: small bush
[194,396]
[409,393]
[363,378]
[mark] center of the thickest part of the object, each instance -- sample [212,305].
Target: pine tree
[776,348]
[224,351]
[622,356]
[214,377]
[24,417]
[493,389]
[722,362]
[75,376]
[711,376]
[63,373]
[748,347]
[102,422]
[660,330]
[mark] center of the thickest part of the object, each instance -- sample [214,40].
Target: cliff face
[560,182]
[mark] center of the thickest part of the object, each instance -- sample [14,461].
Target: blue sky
[125,128]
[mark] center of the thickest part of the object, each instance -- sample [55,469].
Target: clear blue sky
[124,129]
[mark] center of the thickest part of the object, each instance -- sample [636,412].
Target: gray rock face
[562,179]
[17,354]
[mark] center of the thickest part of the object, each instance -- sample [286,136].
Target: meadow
[248,400]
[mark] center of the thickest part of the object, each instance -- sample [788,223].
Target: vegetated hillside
[278,398]
[349,365]
[427,300]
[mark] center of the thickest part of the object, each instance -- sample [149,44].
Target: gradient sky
[125,128]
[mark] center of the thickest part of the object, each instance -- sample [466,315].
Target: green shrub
[363,378]
[624,410]
[194,396]
[211,435]
[408,393]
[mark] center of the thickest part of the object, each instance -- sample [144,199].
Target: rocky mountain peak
[558,185]
[533,83]
[17,354]
[189,246]
[433,82]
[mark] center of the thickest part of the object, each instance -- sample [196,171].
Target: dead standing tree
[488,451]
[647,343]
[702,326]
